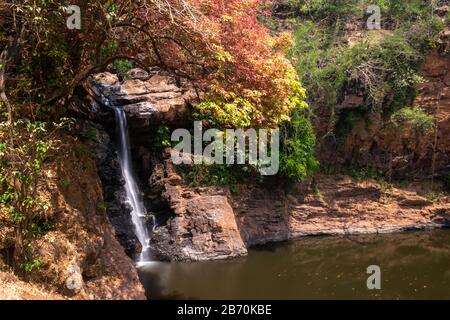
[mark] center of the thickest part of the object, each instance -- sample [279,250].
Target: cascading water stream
[138,213]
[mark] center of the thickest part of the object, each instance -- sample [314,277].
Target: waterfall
[138,213]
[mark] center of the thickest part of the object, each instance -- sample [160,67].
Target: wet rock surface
[103,150]
[149,100]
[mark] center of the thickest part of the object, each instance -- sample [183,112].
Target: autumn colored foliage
[252,77]
[217,44]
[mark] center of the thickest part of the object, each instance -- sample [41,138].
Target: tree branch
[89,70]
[8,58]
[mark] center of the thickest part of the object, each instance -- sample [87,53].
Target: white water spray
[138,213]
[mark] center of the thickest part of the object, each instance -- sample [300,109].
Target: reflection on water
[414,265]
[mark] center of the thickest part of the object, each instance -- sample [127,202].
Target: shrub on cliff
[352,73]
[298,142]
[394,12]
[22,159]
[416,117]
[382,66]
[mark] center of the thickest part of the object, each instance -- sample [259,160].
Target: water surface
[415,265]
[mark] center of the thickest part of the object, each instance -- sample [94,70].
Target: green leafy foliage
[161,138]
[416,116]
[321,64]
[22,159]
[30,266]
[122,67]
[382,64]
[297,147]
[221,113]
[378,66]
[395,12]
[217,175]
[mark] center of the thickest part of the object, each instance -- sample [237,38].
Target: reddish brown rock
[436,101]
[203,226]
[79,256]
[370,139]
[339,206]
[434,65]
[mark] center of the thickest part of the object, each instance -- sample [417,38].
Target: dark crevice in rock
[102,147]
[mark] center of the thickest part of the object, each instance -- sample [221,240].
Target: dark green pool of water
[414,265]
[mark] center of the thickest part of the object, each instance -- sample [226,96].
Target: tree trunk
[8,58]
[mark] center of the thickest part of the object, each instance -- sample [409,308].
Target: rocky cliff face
[80,256]
[337,205]
[372,141]
[149,100]
[435,98]
[212,223]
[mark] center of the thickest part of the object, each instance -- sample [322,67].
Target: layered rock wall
[213,223]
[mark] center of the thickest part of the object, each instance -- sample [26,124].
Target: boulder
[148,99]
[203,226]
